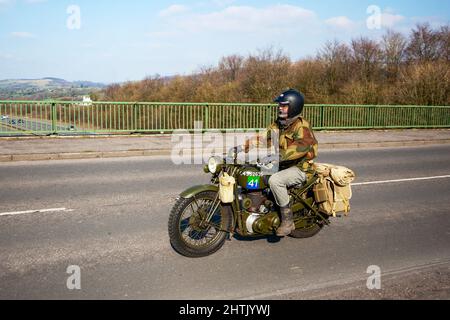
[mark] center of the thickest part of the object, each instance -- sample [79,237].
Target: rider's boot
[287,222]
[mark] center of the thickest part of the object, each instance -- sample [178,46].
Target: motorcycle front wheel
[189,233]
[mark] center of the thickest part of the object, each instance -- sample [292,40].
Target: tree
[423,44]
[149,89]
[231,66]
[265,75]
[308,75]
[393,46]
[427,83]
[444,43]
[366,56]
[336,58]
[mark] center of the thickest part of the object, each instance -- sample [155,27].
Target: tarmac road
[17,124]
[117,233]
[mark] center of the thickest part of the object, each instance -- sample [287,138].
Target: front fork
[235,214]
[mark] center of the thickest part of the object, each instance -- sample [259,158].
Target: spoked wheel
[306,225]
[190,232]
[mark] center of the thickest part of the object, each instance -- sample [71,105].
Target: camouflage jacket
[297,141]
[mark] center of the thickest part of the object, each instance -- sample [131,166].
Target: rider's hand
[271,158]
[269,162]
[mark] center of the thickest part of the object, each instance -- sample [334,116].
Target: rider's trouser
[280,181]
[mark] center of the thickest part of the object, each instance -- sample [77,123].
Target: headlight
[212,165]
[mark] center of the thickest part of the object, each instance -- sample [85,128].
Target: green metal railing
[54,117]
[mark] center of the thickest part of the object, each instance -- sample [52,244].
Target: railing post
[322,115]
[135,117]
[268,114]
[54,116]
[372,117]
[206,124]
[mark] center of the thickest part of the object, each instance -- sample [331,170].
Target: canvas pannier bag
[324,195]
[333,190]
[342,196]
[323,169]
[342,176]
[226,188]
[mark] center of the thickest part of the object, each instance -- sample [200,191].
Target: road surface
[115,229]
[18,125]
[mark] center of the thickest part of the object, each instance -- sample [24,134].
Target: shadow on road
[270,239]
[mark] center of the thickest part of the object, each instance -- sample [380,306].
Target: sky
[118,40]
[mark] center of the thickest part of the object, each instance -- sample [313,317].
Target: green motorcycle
[200,223]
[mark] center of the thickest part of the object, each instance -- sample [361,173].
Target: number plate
[253,183]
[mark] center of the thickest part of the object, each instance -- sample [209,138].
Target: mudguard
[189,193]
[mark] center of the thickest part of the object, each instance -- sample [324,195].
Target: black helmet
[294,99]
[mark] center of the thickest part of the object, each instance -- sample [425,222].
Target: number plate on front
[253,183]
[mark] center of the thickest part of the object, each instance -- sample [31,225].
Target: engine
[261,215]
[254,202]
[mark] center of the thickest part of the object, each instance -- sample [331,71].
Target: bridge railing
[55,117]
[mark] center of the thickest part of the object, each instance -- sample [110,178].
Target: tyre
[309,232]
[189,235]
[306,226]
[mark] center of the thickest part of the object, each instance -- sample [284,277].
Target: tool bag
[333,190]
[226,188]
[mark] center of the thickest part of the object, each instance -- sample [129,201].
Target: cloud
[22,34]
[389,20]
[248,19]
[341,22]
[173,10]
[434,21]
[223,3]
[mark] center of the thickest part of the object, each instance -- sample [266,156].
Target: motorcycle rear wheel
[187,234]
[306,232]
[308,229]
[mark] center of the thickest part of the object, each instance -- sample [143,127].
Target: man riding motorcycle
[298,147]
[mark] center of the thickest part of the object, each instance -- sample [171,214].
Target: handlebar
[266,163]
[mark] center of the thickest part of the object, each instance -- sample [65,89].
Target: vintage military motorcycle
[200,223]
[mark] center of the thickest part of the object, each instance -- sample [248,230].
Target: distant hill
[46,88]
[90,84]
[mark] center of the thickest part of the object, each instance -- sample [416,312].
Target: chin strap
[284,123]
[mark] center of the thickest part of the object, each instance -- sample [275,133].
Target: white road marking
[400,180]
[353,184]
[35,211]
